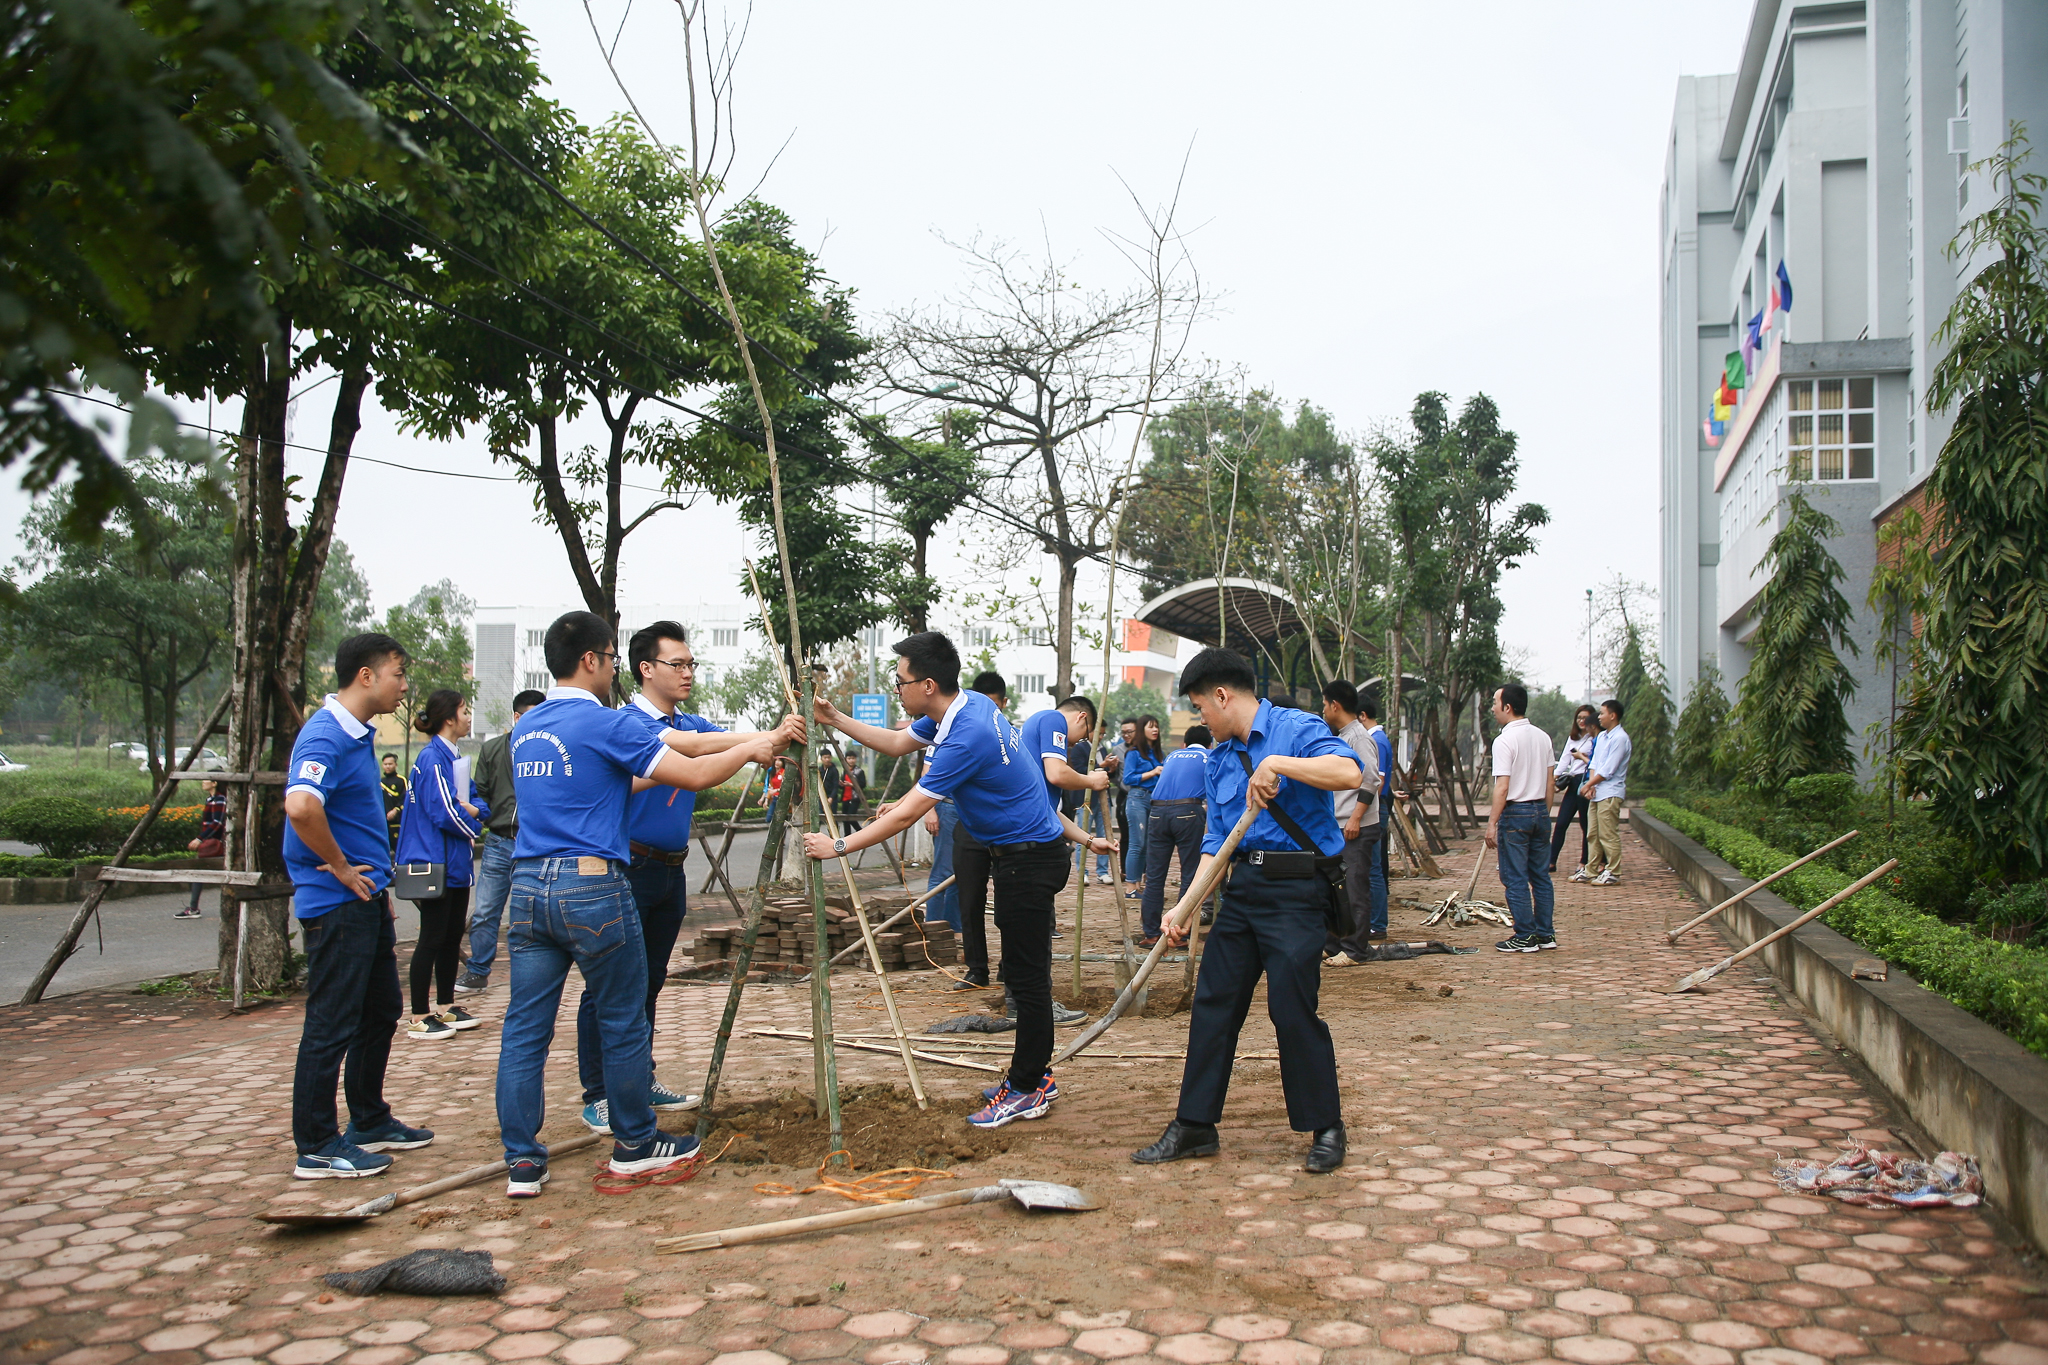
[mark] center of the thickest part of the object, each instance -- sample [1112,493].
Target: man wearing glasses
[575,764]
[658,832]
[1000,793]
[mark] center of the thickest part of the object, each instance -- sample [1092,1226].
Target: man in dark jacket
[494,871]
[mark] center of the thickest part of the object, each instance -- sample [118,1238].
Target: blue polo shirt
[1291,734]
[1184,778]
[335,758]
[573,764]
[978,760]
[660,816]
[1045,736]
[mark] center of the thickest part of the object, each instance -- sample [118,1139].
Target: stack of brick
[787,938]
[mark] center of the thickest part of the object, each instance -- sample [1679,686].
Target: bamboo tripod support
[757,905]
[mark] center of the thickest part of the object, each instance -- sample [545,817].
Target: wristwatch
[839,847]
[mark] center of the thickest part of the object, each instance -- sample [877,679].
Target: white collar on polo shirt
[946,721]
[350,726]
[560,693]
[640,700]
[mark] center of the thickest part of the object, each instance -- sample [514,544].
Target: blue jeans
[661,895]
[1172,825]
[1138,805]
[352,1009]
[1090,817]
[559,917]
[946,905]
[1524,836]
[493,886]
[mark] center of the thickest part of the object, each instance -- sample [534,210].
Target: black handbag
[419,881]
[1336,906]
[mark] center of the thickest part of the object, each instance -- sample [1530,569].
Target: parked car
[8,765]
[129,749]
[207,762]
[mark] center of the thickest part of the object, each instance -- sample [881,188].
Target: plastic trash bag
[973,1023]
[431,1271]
[1869,1176]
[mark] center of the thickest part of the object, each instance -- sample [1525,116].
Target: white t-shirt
[1522,754]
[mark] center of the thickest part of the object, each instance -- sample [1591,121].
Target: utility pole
[1589,647]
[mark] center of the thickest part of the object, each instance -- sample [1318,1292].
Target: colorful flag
[1724,396]
[1722,409]
[1753,339]
[1733,372]
[1713,436]
[1781,292]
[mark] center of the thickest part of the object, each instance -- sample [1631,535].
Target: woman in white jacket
[1570,772]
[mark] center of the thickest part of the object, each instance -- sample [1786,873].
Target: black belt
[1180,801]
[641,850]
[1284,864]
[1044,845]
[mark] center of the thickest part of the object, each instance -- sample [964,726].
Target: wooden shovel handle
[485,1172]
[1673,934]
[790,1227]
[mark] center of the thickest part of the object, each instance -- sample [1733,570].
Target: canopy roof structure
[1256,614]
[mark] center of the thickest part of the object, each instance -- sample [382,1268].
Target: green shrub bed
[2002,984]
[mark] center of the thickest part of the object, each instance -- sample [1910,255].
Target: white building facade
[1838,149]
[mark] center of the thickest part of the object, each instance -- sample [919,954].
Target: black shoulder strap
[1281,817]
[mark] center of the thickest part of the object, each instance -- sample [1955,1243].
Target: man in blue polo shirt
[338,850]
[999,791]
[575,762]
[1284,763]
[658,837]
[1178,822]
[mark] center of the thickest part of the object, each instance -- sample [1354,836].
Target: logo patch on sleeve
[310,771]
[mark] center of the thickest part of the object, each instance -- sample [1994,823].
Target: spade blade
[1043,1194]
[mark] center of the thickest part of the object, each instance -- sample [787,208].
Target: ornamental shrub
[61,826]
[2004,985]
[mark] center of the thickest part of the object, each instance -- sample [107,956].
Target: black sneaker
[1520,943]
[1063,1016]
[969,984]
[524,1179]
[469,983]
[189,912]
[1545,940]
[663,1151]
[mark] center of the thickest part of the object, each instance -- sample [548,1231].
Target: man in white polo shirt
[1520,825]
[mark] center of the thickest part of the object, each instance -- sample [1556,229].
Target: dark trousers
[1272,928]
[1026,883]
[1174,825]
[1368,901]
[971,866]
[1120,798]
[1386,841]
[660,895]
[1569,806]
[352,1008]
[438,952]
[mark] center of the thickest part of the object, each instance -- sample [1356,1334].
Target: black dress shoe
[1326,1151]
[1182,1140]
[970,984]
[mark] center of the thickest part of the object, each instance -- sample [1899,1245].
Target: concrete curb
[1972,1088]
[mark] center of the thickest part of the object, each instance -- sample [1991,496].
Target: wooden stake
[1694,980]
[867,935]
[1672,935]
[771,850]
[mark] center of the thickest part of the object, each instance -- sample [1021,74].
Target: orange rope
[604,1182]
[882,1187]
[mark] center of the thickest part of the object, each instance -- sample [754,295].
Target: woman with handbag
[1144,760]
[213,832]
[436,848]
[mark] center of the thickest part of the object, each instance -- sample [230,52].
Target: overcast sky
[1388,199]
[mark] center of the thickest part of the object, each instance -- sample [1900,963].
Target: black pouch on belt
[1311,863]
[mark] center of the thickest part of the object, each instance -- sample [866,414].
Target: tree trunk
[1063,684]
[918,545]
[555,499]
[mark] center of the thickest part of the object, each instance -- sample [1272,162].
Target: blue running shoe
[340,1160]
[599,1116]
[1049,1086]
[657,1154]
[525,1179]
[661,1097]
[390,1136]
[1010,1105]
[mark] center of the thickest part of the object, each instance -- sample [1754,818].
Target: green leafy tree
[1701,745]
[1968,729]
[1551,711]
[341,608]
[435,632]
[144,603]
[1640,687]
[1790,720]
[925,483]
[750,693]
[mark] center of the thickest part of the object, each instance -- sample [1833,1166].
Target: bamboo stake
[1672,935]
[795,1035]
[867,935]
[757,905]
[1190,902]
[1694,980]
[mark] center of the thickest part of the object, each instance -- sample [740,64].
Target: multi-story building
[1838,150]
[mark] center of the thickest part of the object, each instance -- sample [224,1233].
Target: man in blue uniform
[1178,824]
[999,791]
[575,762]
[658,837]
[337,847]
[1284,763]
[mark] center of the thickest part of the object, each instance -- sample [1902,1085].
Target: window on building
[981,637]
[1041,635]
[1028,683]
[536,638]
[1962,152]
[1830,429]
[725,637]
[538,682]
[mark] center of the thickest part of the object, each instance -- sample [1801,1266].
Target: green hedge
[2004,985]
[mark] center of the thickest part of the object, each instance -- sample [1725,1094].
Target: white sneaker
[1606,878]
[1105,881]
[1580,876]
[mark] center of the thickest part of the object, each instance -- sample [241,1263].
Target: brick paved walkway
[1552,1162]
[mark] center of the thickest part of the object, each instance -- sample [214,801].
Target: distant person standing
[441,827]
[1177,824]
[1144,760]
[1605,785]
[392,784]
[494,868]
[1519,827]
[1567,777]
[212,840]
[1358,819]
[1383,745]
[1113,762]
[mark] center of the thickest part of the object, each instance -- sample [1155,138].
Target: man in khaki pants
[1605,785]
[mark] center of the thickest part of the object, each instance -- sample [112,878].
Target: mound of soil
[882,1125]
[1166,997]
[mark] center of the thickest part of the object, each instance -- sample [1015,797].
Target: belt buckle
[1257,858]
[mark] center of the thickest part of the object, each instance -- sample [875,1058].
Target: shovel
[1032,1194]
[384,1203]
[1692,981]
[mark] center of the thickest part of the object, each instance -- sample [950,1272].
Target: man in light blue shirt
[1605,785]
